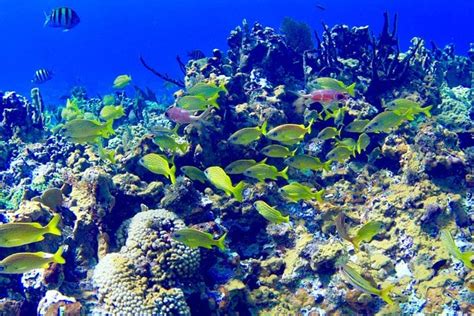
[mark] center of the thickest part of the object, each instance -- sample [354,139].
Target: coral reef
[19,117]
[413,179]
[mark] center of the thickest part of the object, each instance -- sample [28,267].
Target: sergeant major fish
[63,17]
[42,75]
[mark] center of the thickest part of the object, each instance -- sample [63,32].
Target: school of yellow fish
[285,140]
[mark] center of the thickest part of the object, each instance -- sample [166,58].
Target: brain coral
[140,279]
[149,241]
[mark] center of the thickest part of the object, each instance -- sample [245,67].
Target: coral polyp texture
[286,176]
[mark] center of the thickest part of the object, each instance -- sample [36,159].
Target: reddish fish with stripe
[323,96]
[182,116]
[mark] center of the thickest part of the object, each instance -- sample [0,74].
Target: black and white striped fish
[65,18]
[42,75]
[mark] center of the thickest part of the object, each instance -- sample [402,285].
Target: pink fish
[323,96]
[326,96]
[182,116]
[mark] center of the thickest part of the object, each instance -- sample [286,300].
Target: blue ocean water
[112,34]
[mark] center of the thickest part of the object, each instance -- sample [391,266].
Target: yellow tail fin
[283,173]
[351,89]
[172,174]
[237,191]
[327,165]
[466,259]
[319,195]
[385,294]
[58,256]
[108,129]
[263,129]
[426,110]
[52,227]
[220,243]
[309,125]
[213,101]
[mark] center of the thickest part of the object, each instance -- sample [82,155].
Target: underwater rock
[456,109]
[32,211]
[438,154]
[12,307]
[182,198]
[324,258]
[262,48]
[234,295]
[90,201]
[131,192]
[20,118]
[54,304]
[33,285]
